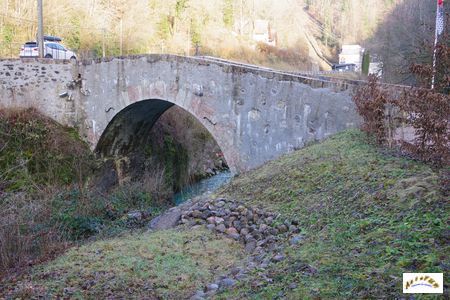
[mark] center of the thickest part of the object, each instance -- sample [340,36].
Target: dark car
[344,67]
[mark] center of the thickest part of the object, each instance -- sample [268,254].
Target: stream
[209,184]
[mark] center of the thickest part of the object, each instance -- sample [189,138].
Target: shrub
[35,150]
[25,234]
[422,109]
[425,111]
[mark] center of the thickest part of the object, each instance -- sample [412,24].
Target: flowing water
[209,184]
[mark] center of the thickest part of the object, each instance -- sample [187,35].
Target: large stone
[296,239]
[250,246]
[257,235]
[234,236]
[231,230]
[196,214]
[248,237]
[227,283]
[278,258]
[294,229]
[136,215]
[237,224]
[167,220]
[199,295]
[244,231]
[282,228]
[263,228]
[273,231]
[221,228]
[219,220]
[206,214]
[212,287]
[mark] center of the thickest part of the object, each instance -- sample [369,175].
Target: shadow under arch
[130,128]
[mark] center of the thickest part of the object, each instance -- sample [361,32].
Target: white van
[52,49]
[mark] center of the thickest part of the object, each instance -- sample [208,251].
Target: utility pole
[103,43]
[188,42]
[121,36]
[40,29]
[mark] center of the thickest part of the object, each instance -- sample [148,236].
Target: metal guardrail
[304,74]
[321,75]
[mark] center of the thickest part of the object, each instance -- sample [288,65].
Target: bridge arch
[130,128]
[254,114]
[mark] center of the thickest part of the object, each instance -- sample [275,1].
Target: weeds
[45,201]
[34,227]
[422,110]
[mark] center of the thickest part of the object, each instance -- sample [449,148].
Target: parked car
[344,67]
[29,49]
[58,51]
[52,49]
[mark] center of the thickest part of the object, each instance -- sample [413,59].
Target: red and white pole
[438,32]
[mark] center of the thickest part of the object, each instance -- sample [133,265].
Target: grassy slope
[367,217]
[168,264]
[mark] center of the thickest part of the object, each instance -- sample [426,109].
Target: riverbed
[209,184]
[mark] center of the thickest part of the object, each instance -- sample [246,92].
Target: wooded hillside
[393,29]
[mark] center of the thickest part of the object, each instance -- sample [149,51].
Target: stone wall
[254,114]
[39,84]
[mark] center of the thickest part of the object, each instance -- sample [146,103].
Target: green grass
[367,217]
[165,264]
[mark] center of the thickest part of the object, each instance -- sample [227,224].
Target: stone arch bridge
[255,114]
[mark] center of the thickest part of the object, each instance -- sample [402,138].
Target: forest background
[309,33]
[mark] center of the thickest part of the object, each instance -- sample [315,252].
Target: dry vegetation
[214,27]
[388,112]
[53,191]
[36,155]
[393,30]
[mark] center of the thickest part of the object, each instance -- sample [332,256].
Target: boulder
[221,228]
[167,220]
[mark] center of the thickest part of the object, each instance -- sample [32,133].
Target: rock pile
[263,233]
[254,227]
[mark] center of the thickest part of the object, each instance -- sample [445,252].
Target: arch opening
[130,127]
[174,139]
